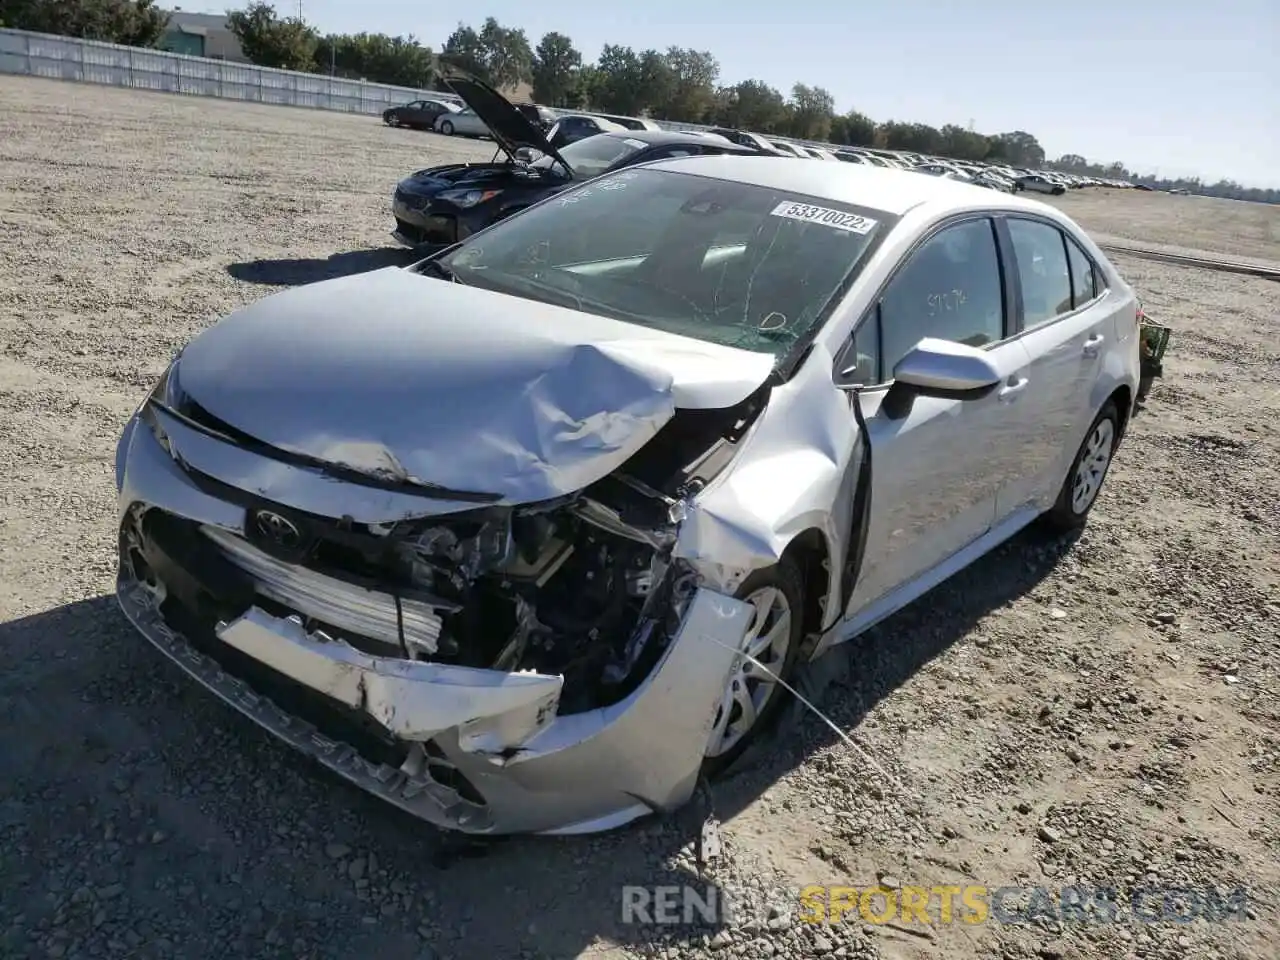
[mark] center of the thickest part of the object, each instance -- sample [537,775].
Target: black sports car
[442,205]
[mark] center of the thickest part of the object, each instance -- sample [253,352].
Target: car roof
[653,137]
[893,191]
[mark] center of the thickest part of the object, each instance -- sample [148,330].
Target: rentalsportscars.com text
[933,905]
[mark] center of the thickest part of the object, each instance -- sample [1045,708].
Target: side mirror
[943,368]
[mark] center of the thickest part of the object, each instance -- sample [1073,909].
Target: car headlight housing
[167,389]
[468,198]
[168,393]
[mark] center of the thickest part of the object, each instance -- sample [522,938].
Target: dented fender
[798,459]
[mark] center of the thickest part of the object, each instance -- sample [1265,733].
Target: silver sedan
[524,536]
[465,122]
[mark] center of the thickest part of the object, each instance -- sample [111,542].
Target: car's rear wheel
[1088,471]
[446,128]
[753,696]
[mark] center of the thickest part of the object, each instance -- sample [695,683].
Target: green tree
[811,112]
[854,129]
[376,57]
[464,52]
[751,105]
[657,85]
[134,23]
[585,91]
[688,84]
[507,58]
[962,144]
[619,89]
[1018,148]
[270,41]
[555,67]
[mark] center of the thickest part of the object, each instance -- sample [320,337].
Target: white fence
[88,61]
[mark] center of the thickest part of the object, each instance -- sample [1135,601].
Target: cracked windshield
[740,265]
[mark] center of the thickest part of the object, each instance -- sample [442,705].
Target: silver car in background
[521,537]
[465,122]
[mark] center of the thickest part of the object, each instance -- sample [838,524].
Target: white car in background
[465,122]
[523,536]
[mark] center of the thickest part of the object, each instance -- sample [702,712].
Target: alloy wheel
[750,688]
[1092,468]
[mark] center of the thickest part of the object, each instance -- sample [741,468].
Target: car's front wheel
[446,128]
[752,695]
[1088,470]
[392,120]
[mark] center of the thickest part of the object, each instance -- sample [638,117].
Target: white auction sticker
[836,219]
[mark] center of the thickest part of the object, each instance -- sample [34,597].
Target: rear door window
[1041,252]
[1084,282]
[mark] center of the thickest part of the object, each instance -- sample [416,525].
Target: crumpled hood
[410,378]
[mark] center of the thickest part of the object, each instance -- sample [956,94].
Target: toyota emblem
[277,530]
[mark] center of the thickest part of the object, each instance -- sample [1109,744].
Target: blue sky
[1178,88]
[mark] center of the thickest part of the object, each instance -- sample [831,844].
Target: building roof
[195,22]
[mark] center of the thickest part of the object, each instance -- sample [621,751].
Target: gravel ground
[1097,712]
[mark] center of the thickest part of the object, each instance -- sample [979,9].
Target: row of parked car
[547,150]
[449,118]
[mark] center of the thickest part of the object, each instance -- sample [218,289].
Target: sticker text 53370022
[836,219]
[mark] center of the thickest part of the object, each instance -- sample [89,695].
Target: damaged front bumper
[483,751]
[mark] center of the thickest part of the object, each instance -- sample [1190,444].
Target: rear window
[742,265]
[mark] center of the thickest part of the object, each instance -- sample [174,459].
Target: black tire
[446,128]
[786,578]
[1066,513]
[393,121]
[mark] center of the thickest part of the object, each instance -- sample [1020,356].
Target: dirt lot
[1103,712]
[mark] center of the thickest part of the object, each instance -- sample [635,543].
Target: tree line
[678,84]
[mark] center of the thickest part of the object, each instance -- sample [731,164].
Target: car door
[432,109]
[412,114]
[466,122]
[935,461]
[1064,325]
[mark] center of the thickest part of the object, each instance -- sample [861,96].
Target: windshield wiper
[440,270]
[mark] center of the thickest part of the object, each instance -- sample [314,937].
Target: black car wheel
[393,120]
[446,128]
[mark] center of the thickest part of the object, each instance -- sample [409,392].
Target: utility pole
[299,9]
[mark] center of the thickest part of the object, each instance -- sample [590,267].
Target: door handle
[1013,386]
[1093,345]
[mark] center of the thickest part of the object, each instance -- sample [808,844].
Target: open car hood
[510,128]
[412,380]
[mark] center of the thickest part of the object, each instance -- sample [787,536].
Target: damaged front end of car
[491,667]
